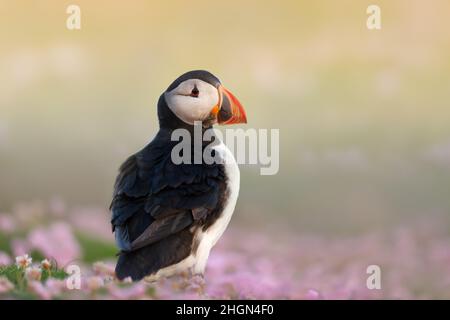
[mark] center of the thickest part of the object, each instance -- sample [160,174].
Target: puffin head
[198,96]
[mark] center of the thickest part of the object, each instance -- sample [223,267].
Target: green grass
[95,249]
[4,244]
[16,276]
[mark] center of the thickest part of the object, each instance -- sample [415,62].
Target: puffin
[166,216]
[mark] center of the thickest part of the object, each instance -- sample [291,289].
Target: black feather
[156,202]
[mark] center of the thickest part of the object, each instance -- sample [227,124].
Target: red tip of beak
[238,114]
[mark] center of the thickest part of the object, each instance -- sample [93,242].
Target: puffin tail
[150,259]
[134,264]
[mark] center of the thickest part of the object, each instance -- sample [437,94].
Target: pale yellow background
[364,116]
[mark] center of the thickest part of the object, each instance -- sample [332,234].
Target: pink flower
[57,241]
[102,268]
[313,295]
[33,273]
[92,221]
[7,223]
[19,247]
[23,261]
[94,283]
[134,291]
[39,289]
[46,264]
[4,259]
[5,285]
[55,286]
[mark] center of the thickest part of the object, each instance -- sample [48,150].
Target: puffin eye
[195,92]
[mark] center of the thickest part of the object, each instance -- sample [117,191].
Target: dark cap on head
[195,74]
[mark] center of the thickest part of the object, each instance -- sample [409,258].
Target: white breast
[209,238]
[233,180]
[196,262]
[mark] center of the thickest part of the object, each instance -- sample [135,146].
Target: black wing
[154,198]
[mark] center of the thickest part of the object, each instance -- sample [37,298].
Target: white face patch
[189,108]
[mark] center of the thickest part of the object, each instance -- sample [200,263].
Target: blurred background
[364,115]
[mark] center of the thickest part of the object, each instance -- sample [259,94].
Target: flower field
[38,243]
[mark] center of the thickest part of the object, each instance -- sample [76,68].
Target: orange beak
[230,110]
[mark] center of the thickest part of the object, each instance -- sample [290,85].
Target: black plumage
[157,204]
